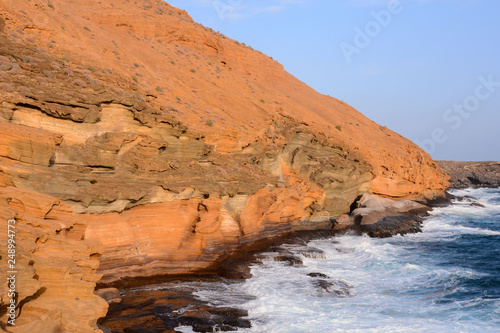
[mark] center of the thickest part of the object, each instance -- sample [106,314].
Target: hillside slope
[168,145]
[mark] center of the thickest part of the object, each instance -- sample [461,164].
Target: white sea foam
[399,284]
[395,288]
[184,329]
[490,198]
[441,227]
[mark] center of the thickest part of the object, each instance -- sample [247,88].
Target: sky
[427,69]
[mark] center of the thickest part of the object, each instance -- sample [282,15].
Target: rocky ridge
[472,174]
[123,142]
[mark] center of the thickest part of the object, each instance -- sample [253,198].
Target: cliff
[139,141]
[472,174]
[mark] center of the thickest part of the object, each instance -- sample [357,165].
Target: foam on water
[445,279]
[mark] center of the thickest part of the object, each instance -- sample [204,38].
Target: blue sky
[427,69]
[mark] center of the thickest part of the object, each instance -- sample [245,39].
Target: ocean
[444,279]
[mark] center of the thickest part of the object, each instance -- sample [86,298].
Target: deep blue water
[445,279]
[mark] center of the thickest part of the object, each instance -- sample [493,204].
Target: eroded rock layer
[54,266]
[165,147]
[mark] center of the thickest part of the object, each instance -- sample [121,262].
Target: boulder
[383,217]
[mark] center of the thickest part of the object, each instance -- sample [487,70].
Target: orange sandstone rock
[131,130]
[56,267]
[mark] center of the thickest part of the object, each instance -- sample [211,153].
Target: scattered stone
[335,287]
[473,201]
[313,253]
[465,198]
[111,295]
[321,275]
[287,257]
[343,221]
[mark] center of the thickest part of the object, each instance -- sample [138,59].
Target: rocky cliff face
[55,265]
[143,141]
[472,174]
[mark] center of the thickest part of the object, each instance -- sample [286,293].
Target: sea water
[444,279]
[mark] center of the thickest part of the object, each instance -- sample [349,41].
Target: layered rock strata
[154,146]
[54,266]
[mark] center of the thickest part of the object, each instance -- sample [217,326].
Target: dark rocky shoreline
[163,307]
[472,174]
[164,304]
[160,304]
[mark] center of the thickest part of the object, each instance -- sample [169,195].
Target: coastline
[385,221]
[130,165]
[472,174]
[118,184]
[202,316]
